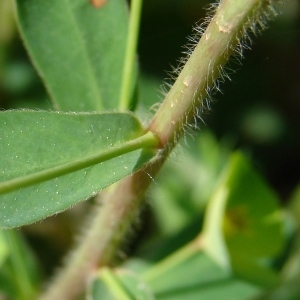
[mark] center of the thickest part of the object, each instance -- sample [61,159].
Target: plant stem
[147,140]
[204,66]
[121,203]
[129,69]
[112,220]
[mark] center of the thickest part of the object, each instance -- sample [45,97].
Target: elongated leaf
[40,142]
[77,49]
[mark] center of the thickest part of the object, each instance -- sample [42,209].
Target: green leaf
[19,274]
[119,284]
[3,248]
[196,276]
[62,158]
[253,211]
[243,223]
[77,49]
[136,285]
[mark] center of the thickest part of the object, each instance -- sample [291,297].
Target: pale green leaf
[119,284]
[19,274]
[3,248]
[243,222]
[195,277]
[60,159]
[253,223]
[77,49]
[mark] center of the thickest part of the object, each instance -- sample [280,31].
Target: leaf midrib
[146,140]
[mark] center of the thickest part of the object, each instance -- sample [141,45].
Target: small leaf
[243,223]
[119,284]
[194,277]
[253,211]
[136,285]
[77,49]
[40,142]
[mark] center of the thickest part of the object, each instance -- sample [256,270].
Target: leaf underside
[32,141]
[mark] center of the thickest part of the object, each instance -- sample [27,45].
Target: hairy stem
[205,64]
[121,203]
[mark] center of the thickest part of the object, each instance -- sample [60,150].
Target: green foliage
[20,277]
[207,279]
[216,229]
[71,152]
[122,284]
[196,268]
[243,224]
